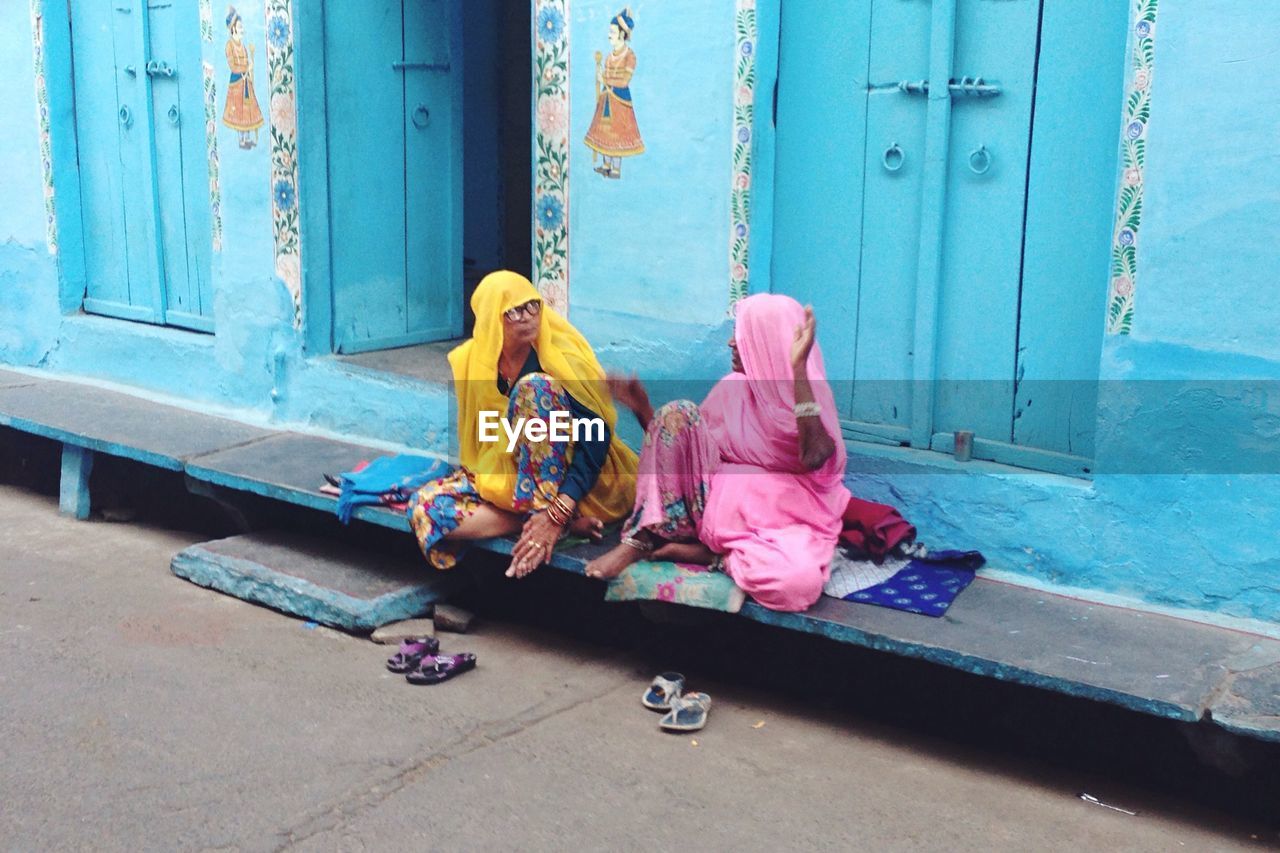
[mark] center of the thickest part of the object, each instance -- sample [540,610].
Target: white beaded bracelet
[807,410]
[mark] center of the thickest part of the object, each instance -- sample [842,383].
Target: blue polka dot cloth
[927,585]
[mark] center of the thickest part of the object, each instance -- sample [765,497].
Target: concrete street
[140,712]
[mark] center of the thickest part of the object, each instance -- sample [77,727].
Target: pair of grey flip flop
[685,712]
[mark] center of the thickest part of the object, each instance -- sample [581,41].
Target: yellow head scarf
[566,356]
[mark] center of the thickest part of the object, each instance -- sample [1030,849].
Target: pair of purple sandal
[420,662]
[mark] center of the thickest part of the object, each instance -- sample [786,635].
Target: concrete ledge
[1250,704]
[321,581]
[1149,663]
[118,424]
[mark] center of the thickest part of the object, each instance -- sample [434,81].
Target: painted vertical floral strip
[1137,114]
[206,20]
[744,79]
[284,151]
[211,142]
[42,117]
[551,158]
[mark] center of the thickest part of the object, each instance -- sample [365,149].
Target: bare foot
[685,552]
[613,563]
[591,528]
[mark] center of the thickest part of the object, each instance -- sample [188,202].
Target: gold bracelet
[551,511]
[560,504]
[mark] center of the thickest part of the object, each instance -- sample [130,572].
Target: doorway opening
[497,142]
[429,169]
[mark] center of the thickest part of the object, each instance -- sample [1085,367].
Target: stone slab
[424,362]
[1146,662]
[320,580]
[393,633]
[452,619]
[1251,704]
[290,467]
[9,379]
[119,424]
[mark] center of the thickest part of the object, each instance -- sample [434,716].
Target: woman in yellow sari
[525,361]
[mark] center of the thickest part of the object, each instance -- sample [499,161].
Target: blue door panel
[392,89]
[113,134]
[433,198]
[893,164]
[821,132]
[166,118]
[986,194]
[1013,254]
[1064,282]
[144,259]
[189,300]
[146,287]
[99,130]
[365,94]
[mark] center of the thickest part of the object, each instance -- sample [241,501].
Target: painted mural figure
[242,113]
[614,133]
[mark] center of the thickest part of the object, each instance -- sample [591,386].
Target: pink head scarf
[752,414]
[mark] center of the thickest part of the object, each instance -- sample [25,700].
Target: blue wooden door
[113,133]
[904,143]
[181,161]
[143,171]
[393,89]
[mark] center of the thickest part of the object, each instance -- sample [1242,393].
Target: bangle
[807,410]
[559,501]
[559,520]
[633,542]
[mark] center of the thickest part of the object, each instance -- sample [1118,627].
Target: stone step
[316,579]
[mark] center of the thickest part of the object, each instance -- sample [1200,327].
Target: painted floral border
[744,78]
[206,20]
[1137,114]
[284,151]
[211,143]
[42,117]
[551,151]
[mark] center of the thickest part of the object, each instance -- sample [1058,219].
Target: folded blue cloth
[925,585]
[396,477]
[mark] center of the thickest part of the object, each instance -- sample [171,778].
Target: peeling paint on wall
[1137,114]
[551,152]
[745,41]
[42,118]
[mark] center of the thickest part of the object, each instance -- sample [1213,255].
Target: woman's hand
[537,539]
[802,343]
[630,392]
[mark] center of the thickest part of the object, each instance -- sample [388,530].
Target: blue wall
[1186,498]
[657,237]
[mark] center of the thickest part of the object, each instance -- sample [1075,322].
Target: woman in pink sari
[751,481]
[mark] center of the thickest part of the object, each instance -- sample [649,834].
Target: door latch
[159,69]
[970,87]
[406,65]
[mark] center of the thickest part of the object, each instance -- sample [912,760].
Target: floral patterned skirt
[440,506]
[677,460]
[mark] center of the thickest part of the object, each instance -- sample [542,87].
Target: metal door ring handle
[173,114]
[980,160]
[126,116]
[893,158]
[421,115]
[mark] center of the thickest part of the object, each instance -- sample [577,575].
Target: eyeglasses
[533,308]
